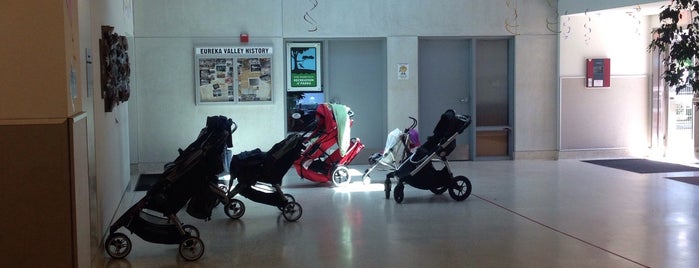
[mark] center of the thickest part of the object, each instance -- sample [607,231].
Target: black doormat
[690,180]
[146,181]
[643,166]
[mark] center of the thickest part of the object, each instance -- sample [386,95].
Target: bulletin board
[230,75]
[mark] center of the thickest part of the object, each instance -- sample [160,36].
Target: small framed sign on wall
[598,73]
[228,75]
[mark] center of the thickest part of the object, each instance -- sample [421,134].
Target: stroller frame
[142,219]
[259,179]
[377,160]
[154,229]
[322,160]
[441,180]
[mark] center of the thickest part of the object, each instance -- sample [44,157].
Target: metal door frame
[510,91]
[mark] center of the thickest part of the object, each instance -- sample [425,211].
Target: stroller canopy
[449,124]
[335,118]
[206,150]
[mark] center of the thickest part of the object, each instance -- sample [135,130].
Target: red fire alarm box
[597,73]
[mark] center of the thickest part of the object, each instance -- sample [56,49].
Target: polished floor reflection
[521,213]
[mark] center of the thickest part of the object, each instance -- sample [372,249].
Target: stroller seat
[259,175]
[399,146]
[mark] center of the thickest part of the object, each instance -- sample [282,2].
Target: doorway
[672,117]
[354,74]
[680,132]
[472,76]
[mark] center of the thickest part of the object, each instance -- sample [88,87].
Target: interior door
[357,78]
[444,78]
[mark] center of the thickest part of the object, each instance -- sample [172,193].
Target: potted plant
[678,38]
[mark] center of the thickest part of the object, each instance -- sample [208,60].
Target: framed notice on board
[303,62]
[228,75]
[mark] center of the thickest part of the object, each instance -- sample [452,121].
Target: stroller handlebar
[465,119]
[413,125]
[234,126]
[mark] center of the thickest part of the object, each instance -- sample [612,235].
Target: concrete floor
[524,213]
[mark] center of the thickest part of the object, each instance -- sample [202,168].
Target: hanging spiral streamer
[307,17]
[552,21]
[635,18]
[512,27]
[587,27]
[566,26]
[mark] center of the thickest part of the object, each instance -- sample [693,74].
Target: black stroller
[419,171]
[259,176]
[190,180]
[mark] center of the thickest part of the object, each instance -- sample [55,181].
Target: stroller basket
[155,229]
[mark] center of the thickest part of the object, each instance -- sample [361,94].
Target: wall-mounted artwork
[114,68]
[227,75]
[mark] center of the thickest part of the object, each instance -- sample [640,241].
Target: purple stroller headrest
[414,138]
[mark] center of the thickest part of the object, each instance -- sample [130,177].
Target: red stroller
[329,148]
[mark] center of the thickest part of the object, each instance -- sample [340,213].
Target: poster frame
[224,74]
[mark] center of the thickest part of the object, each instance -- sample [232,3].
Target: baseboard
[535,155]
[599,154]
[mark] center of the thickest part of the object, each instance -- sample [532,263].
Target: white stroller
[399,146]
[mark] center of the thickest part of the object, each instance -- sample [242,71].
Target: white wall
[610,121]
[168,115]
[111,141]
[616,35]
[166,31]
[536,103]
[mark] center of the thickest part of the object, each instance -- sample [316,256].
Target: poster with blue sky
[304,67]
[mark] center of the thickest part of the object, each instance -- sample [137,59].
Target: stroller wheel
[234,209]
[292,211]
[340,176]
[387,188]
[366,179]
[289,198]
[191,249]
[398,193]
[191,230]
[439,190]
[223,188]
[462,189]
[117,245]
